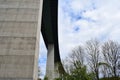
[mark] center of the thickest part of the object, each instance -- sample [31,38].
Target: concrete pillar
[20,23]
[50,62]
[51,68]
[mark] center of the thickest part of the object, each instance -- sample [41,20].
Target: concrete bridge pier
[51,68]
[50,64]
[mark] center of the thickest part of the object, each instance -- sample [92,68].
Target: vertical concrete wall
[19,38]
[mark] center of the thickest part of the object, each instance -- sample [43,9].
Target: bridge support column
[51,70]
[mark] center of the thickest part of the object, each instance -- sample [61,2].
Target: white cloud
[95,19]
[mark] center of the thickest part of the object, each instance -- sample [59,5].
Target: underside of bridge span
[49,30]
[50,25]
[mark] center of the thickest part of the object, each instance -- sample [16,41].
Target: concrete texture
[50,62]
[20,22]
[52,68]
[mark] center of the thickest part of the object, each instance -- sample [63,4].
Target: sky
[82,20]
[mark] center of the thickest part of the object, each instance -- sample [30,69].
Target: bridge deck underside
[50,25]
[50,34]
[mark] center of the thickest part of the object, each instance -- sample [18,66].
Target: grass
[112,78]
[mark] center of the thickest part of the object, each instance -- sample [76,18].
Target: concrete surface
[50,62]
[20,22]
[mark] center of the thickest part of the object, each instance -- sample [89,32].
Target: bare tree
[75,65]
[105,71]
[77,56]
[39,71]
[74,60]
[93,53]
[111,52]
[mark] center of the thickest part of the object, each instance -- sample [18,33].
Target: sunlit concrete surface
[19,39]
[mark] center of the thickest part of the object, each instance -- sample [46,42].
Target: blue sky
[81,20]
